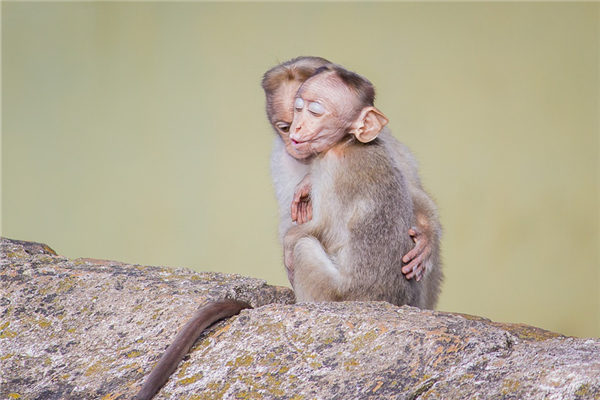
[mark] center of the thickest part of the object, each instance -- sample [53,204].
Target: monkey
[292,183]
[184,340]
[359,197]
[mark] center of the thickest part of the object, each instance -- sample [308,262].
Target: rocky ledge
[93,329]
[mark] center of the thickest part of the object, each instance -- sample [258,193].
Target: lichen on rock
[93,329]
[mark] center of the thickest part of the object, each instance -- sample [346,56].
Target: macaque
[292,180]
[362,211]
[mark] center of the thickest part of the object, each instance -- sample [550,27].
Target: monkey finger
[410,269]
[415,251]
[414,273]
[305,212]
[294,210]
[301,213]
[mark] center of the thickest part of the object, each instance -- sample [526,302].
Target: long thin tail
[203,318]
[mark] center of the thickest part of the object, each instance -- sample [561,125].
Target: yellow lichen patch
[14,396]
[8,334]
[510,386]
[218,389]
[190,380]
[527,332]
[283,370]
[466,377]
[297,397]
[328,340]
[584,390]
[66,284]
[271,329]
[4,325]
[350,364]
[361,341]
[134,353]
[131,366]
[6,356]
[112,396]
[242,361]
[184,368]
[315,365]
[44,323]
[95,368]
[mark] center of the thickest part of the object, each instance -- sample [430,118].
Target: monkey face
[322,116]
[283,113]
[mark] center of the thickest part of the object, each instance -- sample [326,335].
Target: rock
[92,329]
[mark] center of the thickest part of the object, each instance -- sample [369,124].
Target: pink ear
[368,124]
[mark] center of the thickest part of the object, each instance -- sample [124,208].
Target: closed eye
[316,109]
[298,104]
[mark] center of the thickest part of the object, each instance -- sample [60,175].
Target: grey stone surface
[93,329]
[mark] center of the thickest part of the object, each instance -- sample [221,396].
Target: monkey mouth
[300,142]
[297,143]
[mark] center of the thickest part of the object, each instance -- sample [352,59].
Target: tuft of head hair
[361,86]
[297,69]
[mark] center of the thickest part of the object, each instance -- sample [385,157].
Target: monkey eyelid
[298,104]
[282,126]
[316,108]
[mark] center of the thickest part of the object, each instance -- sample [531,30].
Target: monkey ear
[368,124]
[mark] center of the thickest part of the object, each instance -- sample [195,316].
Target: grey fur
[352,249]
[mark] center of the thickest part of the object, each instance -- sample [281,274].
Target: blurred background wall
[136,132]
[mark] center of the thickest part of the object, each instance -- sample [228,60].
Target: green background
[136,132]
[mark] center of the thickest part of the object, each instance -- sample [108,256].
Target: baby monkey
[362,211]
[291,178]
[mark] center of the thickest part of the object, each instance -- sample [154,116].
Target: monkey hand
[416,258]
[301,204]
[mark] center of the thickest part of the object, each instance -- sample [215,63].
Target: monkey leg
[316,277]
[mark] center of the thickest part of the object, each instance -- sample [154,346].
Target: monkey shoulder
[365,179]
[370,168]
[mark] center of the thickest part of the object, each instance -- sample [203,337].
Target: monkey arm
[316,276]
[301,208]
[289,241]
[426,234]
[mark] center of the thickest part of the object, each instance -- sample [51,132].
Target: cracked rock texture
[93,329]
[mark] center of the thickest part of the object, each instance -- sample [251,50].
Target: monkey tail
[203,318]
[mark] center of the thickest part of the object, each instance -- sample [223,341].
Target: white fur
[287,172]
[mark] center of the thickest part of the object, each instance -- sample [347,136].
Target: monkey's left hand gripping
[301,208]
[417,257]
